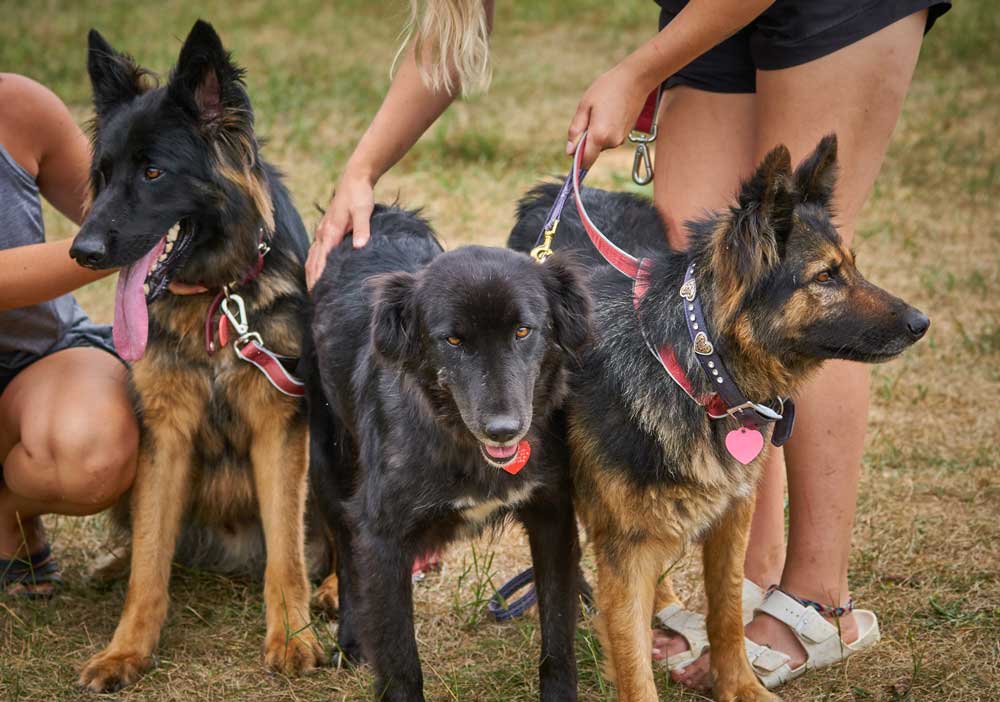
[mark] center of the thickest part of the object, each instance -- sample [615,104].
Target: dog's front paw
[110,670]
[751,691]
[296,653]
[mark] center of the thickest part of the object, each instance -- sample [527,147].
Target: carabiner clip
[643,161]
[237,317]
[544,250]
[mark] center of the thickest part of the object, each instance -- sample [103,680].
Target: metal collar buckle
[762,410]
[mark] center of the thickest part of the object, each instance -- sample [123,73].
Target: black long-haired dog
[651,469]
[180,193]
[434,388]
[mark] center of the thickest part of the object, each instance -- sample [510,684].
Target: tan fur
[327,594]
[635,532]
[769,374]
[722,555]
[291,645]
[664,594]
[159,496]
[729,290]
[242,174]
[174,386]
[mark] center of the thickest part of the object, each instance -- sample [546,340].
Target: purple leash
[543,244]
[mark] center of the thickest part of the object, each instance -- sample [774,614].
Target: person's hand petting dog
[350,210]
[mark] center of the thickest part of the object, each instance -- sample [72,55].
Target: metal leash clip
[642,158]
[544,250]
[238,318]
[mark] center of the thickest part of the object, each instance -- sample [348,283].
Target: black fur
[780,223]
[398,415]
[196,129]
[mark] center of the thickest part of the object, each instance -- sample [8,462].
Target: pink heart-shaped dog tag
[744,444]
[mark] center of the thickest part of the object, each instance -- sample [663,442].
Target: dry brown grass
[925,558]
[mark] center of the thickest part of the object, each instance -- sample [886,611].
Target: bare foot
[667,643]
[766,630]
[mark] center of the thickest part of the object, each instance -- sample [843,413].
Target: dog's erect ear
[752,239]
[206,82]
[816,177]
[569,302]
[761,223]
[394,322]
[768,197]
[115,77]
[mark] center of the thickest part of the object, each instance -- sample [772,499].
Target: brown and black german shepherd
[180,194]
[781,294]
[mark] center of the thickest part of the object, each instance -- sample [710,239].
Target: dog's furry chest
[661,473]
[476,513]
[213,407]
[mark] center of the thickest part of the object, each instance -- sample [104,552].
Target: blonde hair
[450,44]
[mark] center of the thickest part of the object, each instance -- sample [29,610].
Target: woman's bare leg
[68,440]
[705,146]
[863,88]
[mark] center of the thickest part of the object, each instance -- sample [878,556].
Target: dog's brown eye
[522,332]
[824,277]
[152,173]
[454,341]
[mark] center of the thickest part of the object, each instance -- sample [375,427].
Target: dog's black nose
[88,252]
[917,322]
[502,428]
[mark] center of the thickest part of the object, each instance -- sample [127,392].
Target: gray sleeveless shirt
[28,333]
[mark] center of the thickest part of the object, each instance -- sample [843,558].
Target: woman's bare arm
[40,272]
[610,106]
[39,132]
[409,108]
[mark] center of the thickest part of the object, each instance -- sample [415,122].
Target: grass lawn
[925,557]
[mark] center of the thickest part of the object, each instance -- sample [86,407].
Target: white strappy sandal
[820,639]
[691,625]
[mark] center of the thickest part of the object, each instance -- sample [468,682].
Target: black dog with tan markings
[180,195]
[780,294]
[434,397]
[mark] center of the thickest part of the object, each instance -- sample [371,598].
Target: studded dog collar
[747,441]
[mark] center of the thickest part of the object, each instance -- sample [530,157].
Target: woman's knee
[97,461]
[85,457]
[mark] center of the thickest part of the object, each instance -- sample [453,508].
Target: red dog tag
[520,458]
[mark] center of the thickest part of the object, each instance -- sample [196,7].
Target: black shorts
[96,336]
[789,33]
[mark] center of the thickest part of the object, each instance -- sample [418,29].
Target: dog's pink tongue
[131,328]
[500,451]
